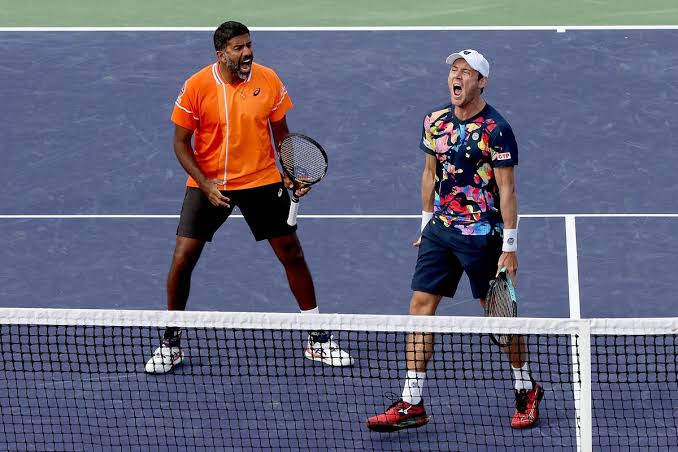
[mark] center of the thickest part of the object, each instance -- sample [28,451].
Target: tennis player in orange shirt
[223,141]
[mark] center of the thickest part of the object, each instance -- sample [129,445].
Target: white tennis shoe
[164,359]
[327,352]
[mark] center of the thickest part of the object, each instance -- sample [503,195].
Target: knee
[291,255]
[423,303]
[184,259]
[289,251]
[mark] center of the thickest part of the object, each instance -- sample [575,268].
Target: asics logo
[530,415]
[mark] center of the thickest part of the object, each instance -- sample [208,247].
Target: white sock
[414,384]
[316,335]
[522,378]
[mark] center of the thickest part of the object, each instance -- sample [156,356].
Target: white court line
[575,313]
[556,28]
[572,266]
[332,216]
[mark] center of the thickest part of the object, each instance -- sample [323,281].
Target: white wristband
[425,218]
[510,241]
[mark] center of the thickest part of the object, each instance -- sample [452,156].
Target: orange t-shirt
[232,140]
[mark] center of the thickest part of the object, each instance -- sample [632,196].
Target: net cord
[345,322]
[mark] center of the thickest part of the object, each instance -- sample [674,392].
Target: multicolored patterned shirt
[466,192]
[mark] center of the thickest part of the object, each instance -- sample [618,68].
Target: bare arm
[507,195]
[428,178]
[509,213]
[183,149]
[280,131]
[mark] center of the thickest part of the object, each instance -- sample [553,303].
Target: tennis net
[75,380]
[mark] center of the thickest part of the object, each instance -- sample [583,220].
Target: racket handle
[294,208]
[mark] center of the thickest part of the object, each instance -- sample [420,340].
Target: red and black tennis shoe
[527,407]
[398,416]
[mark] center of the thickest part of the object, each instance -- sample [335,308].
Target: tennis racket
[501,302]
[304,161]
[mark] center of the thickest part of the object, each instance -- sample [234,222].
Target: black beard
[236,69]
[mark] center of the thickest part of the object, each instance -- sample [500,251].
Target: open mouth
[456,89]
[246,65]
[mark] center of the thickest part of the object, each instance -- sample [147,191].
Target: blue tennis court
[88,134]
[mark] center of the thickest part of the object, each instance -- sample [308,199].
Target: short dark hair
[480,77]
[226,31]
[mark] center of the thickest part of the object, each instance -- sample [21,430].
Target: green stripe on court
[332,13]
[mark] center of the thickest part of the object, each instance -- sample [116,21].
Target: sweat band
[425,218]
[510,241]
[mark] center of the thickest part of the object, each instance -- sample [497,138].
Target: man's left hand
[299,189]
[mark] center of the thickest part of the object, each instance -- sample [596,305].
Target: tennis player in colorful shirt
[469,224]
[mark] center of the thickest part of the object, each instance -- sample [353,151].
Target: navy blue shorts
[445,254]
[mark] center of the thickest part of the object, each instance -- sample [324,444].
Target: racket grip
[294,208]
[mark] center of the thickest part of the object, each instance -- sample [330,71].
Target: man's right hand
[426,216]
[211,189]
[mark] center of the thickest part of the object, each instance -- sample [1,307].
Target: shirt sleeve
[503,147]
[185,113]
[427,142]
[283,102]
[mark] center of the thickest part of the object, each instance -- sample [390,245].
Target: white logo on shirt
[504,156]
[183,90]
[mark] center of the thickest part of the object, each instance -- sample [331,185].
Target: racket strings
[302,160]
[499,301]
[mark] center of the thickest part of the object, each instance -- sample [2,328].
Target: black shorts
[265,209]
[444,254]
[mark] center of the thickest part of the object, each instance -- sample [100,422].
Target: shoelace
[521,401]
[329,346]
[161,353]
[393,397]
[333,347]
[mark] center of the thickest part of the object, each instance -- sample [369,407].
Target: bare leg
[186,255]
[321,346]
[517,355]
[288,250]
[420,345]
[516,352]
